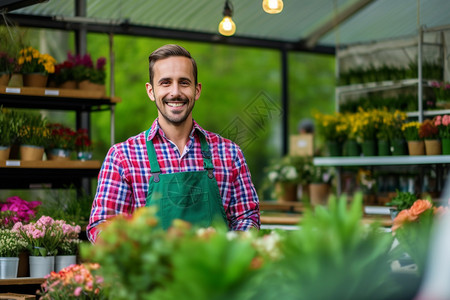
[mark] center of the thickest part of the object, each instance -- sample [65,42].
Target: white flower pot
[41,265]
[62,261]
[8,267]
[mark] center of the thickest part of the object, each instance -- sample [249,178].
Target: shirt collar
[156,129]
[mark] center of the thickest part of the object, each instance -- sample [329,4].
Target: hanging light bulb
[227,26]
[272,6]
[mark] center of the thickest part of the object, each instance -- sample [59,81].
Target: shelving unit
[52,174]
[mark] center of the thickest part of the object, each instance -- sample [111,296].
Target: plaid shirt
[125,173]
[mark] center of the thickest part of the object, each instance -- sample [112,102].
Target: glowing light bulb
[227,26]
[272,6]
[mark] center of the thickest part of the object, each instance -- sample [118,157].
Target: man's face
[173,89]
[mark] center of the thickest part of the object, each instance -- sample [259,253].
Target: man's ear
[149,89]
[198,91]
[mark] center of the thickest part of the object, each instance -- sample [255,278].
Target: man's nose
[175,90]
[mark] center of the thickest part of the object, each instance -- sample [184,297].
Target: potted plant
[83,145]
[33,136]
[64,76]
[74,282]
[8,131]
[88,75]
[43,238]
[18,210]
[62,141]
[35,66]
[11,245]
[284,175]
[410,130]
[319,184]
[401,201]
[67,249]
[333,129]
[443,125]
[430,133]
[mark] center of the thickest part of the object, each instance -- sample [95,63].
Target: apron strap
[207,162]
[154,166]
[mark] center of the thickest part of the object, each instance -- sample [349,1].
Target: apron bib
[191,196]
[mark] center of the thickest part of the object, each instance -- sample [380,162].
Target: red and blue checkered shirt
[125,174]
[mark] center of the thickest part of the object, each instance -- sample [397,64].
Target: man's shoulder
[131,143]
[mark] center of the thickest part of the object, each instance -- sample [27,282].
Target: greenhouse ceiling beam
[313,38]
[125,28]
[10,5]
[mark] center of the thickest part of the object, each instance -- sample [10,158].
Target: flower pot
[319,193]
[286,191]
[445,146]
[369,148]
[84,155]
[383,148]
[35,80]
[89,86]
[63,261]
[41,265]
[8,267]
[351,148]
[4,78]
[59,154]
[433,147]
[16,80]
[398,147]
[416,147]
[70,84]
[334,148]
[4,152]
[30,152]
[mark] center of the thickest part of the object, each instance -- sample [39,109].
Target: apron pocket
[193,208]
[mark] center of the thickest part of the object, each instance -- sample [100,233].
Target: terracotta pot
[4,152]
[416,147]
[4,78]
[71,84]
[433,147]
[319,193]
[35,80]
[29,152]
[286,192]
[89,86]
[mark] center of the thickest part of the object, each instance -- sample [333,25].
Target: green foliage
[32,129]
[331,256]
[403,200]
[8,126]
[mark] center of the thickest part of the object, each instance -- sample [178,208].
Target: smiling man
[185,171]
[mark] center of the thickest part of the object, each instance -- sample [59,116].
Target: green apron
[191,196]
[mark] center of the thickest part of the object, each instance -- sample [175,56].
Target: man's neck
[179,134]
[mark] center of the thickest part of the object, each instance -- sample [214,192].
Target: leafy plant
[6,63]
[32,129]
[8,126]
[403,200]
[331,256]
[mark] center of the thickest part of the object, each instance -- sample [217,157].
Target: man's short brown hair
[169,51]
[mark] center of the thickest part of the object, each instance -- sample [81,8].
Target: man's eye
[185,83]
[165,82]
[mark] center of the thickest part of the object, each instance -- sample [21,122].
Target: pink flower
[446,120]
[438,121]
[78,291]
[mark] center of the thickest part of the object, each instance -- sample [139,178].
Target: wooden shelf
[22,281]
[51,164]
[381,160]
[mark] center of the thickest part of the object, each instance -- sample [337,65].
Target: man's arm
[243,211]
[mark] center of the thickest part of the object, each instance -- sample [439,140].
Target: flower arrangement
[82,141]
[7,63]
[32,130]
[61,137]
[70,241]
[30,60]
[74,282]
[64,72]
[85,70]
[11,243]
[318,174]
[413,227]
[428,130]
[292,169]
[390,127]
[443,125]
[366,124]
[42,236]
[17,210]
[411,131]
